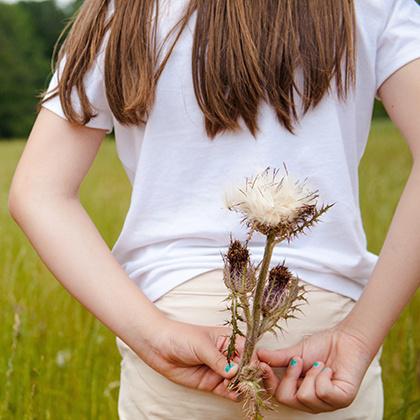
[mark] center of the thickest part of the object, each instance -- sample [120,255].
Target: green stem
[252,333]
[247,312]
[233,321]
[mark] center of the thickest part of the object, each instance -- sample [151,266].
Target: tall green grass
[58,362]
[384,170]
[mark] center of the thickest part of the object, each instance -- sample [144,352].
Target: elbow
[26,201]
[15,203]
[28,195]
[21,200]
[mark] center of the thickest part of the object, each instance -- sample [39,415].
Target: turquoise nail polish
[228,367]
[293,362]
[316,364]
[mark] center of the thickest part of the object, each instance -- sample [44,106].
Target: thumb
[212,355]
[217,361]
[278,357]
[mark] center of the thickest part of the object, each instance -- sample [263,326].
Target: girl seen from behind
[200,94]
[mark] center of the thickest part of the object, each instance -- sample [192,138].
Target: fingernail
[293,362]
[229,366]
[316,364]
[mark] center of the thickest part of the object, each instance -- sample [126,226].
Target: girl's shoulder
[390,33]
[384,12]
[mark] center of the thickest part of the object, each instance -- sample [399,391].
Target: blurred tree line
[28,32]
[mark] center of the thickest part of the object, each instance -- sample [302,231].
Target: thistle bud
[278,279]
[239,273]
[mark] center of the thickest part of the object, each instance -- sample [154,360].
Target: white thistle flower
[266,200]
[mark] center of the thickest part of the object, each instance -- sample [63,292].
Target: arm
[348,349]
[397,273]
[43,200]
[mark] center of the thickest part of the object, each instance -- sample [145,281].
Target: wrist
[144,337]
[366,341]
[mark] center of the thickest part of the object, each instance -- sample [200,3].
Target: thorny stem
[251,335]
[247,313]
[231,347]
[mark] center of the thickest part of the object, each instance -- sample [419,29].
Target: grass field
[58,362]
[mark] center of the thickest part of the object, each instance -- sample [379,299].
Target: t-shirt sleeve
[399,42]
[95,91]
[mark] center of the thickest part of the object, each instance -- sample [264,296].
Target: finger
[289,381]
[240,345]
[288,386]
[327,391]
[306,393]
[279,357]
[255,361]
[210,354]
[205,379]
[223,391]
[271,380]
[236,354]
[223,346]
[235,394]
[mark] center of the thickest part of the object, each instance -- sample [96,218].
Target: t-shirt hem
[182,276]
[93,123]
[331,282]
[328,281]
[397,63]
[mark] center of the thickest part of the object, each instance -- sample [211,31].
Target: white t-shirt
[177,226]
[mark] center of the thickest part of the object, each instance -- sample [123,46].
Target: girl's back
[177,223]
[225,106]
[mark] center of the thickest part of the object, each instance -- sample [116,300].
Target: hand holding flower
[192,355]
[324,371]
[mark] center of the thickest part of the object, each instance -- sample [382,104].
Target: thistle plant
[260,296]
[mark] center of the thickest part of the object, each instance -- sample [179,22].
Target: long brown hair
[243,51]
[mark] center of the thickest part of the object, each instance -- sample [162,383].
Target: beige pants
[147,395]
